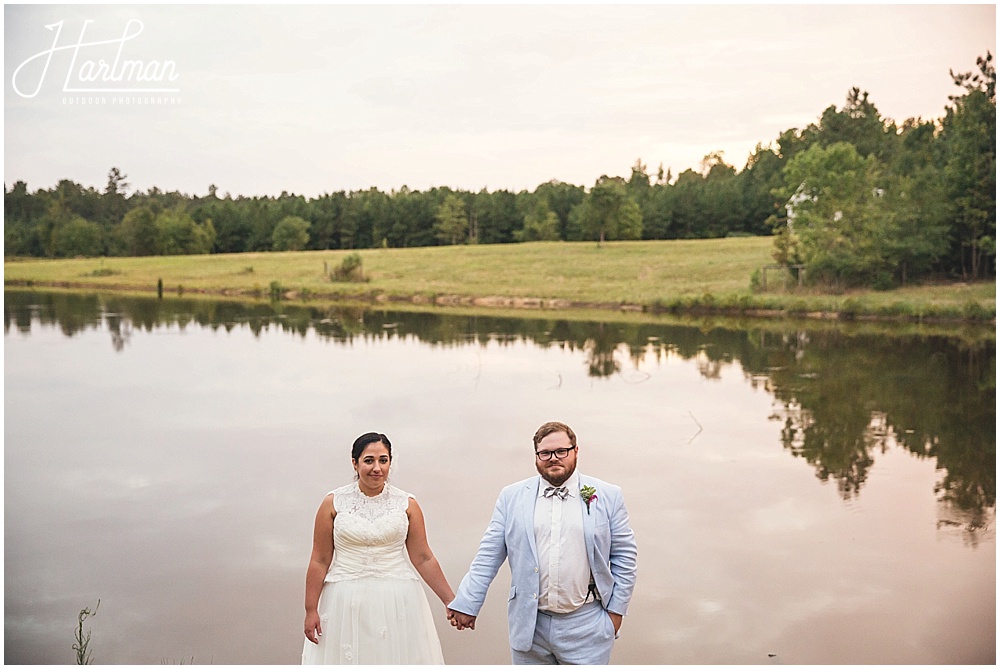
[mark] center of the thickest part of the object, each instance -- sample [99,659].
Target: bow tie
[560,492]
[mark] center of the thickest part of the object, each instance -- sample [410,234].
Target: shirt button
[536,570]
[534,595]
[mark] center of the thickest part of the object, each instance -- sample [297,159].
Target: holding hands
[461,621]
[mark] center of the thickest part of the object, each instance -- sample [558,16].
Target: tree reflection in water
[846,399]
[844,395]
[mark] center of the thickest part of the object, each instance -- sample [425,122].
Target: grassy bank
[696,275]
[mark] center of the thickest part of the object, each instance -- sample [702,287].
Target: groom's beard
[556,475]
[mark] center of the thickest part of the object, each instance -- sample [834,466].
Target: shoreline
[638,278]
[377,298]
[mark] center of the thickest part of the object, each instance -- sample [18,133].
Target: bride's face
[373,466]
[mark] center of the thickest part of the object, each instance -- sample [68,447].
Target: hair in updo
[362,442]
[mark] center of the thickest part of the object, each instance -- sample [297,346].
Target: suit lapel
[588,522]
[529,496]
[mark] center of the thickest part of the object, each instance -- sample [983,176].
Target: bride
[364,600]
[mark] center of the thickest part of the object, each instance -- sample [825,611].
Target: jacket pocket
[513,590]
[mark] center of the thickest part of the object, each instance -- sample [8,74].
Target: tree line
[855,198]
[872,203]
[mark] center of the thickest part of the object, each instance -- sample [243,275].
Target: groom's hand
[616,620]
[460,620]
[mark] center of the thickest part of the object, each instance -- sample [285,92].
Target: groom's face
[553,470]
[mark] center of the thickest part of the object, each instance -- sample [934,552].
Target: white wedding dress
[373,609]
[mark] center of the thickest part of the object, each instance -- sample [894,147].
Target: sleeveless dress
[373,609]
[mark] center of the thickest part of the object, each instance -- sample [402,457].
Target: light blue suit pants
[584,636]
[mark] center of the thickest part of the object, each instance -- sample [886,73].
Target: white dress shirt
[564,570]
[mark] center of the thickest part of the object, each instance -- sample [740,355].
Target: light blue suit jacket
[611,549]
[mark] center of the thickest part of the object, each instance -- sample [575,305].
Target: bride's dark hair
[362,442]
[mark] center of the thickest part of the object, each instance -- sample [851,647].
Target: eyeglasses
[559,454]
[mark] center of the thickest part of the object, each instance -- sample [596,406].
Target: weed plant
[82,645]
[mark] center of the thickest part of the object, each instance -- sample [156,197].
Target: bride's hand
[314,629]
[461,621]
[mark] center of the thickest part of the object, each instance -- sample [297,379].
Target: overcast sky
[312,99]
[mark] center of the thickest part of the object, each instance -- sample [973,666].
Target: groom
[572,560]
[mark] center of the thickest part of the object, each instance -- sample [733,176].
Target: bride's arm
[319,564]
[422,557]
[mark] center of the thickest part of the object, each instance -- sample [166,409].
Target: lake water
[800,493]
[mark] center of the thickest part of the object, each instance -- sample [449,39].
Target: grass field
[654,276]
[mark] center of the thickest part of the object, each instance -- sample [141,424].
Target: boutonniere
[588,494]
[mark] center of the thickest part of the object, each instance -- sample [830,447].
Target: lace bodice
[369,535]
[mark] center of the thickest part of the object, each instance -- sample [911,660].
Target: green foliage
[723,199]
[658,212]
[851,308]
[919,233]
[757,182]
[103,271]
[178,234]
[968,136]
[859,124]
[875,205]
[936,213]
[290,234]
[608,213]
[351,269]
[797,307]
[850,224]
[540,225]
[276,291]
[78,237]
[895,310]
[974,311]
[114,203]
[881,241]
[689,215]
[786,242]
[22,239]
[138,230]
[452,223]
[560,198]
[495,217]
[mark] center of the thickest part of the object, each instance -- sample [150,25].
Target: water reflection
[843,397]
[757,536]
[846,401]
